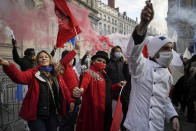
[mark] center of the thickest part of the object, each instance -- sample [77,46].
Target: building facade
[112,21]
[180,13]
[90,6]
[104,19]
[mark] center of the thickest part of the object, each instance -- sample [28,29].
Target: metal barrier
[9,106]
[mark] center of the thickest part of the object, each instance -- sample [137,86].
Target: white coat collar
[155,65]
[38,76]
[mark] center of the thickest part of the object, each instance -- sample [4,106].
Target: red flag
[117,116]
[68,26]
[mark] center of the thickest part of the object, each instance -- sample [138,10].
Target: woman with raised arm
[47,94]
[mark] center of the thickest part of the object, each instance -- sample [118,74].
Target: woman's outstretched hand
[4,62]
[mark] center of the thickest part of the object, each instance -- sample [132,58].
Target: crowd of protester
[69,95]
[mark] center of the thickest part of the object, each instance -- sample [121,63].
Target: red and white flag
[68,26]
[117,115]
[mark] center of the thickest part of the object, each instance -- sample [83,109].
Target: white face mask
[165,58]
[118,55]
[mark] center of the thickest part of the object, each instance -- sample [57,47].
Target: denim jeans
[49,124]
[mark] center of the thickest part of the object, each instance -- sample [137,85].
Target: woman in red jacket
[71,79]
[47,95]
[96,108]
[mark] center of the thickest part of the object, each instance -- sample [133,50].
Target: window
[104,17]
[104,27]
[194,3]
[112,29]
[108,19]
[112,21]
[100,25]
[121,25]
[108,28]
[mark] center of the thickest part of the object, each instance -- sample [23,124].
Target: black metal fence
[9,106]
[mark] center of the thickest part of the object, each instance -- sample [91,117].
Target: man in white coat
[149,104]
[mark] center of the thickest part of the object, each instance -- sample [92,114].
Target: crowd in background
[82,94]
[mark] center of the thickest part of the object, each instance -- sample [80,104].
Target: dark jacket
[25,63]
[185,94]
[117,71]
[46,103]
[179,92]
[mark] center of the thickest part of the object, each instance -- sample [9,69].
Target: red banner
[68,26]
[117,116]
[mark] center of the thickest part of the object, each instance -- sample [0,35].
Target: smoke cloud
[186,15]
[91,39]
[27,23]
[30,23]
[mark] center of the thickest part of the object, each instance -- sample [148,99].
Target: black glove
[14,42]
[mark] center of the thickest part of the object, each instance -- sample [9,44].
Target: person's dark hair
[113,50]
[28,51]
[74,61]
[83,60]
[64,53]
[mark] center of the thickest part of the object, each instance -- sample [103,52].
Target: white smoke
[120,40]
[185,15]
[159,24]
[6,30]
[9,32]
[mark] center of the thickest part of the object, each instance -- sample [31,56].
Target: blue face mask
[47,69]
[87,60]
[118,55]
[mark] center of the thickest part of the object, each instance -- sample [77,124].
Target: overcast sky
[134,7]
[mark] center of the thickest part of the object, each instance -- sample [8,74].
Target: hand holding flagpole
[115,126]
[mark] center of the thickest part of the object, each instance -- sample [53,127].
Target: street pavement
[185,126]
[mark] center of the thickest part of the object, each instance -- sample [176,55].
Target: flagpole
[76,35]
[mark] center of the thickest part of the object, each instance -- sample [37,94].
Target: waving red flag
[68,26]
[117,115]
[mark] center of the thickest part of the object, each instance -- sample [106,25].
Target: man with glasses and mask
[149,103]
